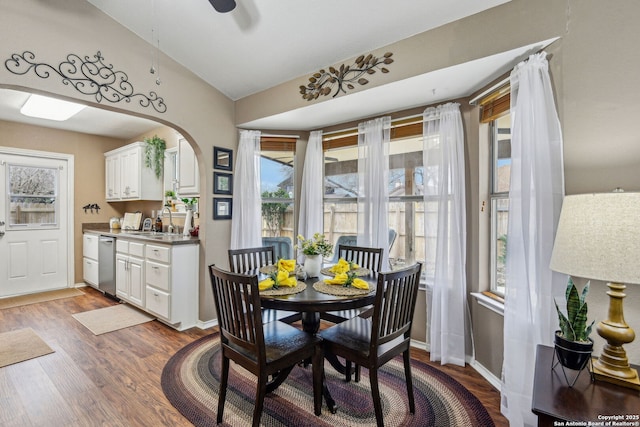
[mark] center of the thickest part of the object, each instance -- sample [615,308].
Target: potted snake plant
[572,343]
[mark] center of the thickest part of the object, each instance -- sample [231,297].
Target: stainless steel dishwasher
[107,265]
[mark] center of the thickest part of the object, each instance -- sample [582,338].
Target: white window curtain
[310,220]
[246,218]
[373,185]
[535,199]
[443,160]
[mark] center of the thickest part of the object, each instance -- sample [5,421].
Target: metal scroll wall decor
[344,77]
[89,76]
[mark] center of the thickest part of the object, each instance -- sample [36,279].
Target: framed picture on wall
[222,183]
[222,158]
[222,208]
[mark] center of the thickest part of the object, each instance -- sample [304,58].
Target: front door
[33,222]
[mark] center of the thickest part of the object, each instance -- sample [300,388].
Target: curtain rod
[488,91]
[354,130]
[504,81]
[269,135]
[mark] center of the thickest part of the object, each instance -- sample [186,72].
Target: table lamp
[598,238]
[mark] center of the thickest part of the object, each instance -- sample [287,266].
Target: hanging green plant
[154,154]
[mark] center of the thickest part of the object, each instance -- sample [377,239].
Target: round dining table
[311,303]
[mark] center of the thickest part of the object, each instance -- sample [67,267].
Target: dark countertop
[146,236]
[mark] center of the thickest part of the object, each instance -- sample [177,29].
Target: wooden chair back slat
[370,258]
[244,260]
[396,294]
[237,302]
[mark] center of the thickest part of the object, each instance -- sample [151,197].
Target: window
[33,197]
[500,129]
[406,185]
[276,186]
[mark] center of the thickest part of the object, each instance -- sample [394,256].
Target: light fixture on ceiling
[223,6]
[43,107]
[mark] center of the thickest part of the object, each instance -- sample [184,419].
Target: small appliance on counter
[114,223]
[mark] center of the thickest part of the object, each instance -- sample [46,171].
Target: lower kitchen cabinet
[90,266]
[130,285]
[171,278]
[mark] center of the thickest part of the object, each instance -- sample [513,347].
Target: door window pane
[33,196]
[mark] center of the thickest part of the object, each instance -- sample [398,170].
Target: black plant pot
[571,354]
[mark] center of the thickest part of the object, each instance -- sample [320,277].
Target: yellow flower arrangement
[287,265]
[343,266]
[347,279]
[277,279]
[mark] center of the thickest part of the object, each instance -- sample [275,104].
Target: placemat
[359,271]
[340,290]
[268,269]
[284,290]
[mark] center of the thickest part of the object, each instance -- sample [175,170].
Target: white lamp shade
[598,237]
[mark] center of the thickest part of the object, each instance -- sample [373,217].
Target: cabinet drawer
[122,246]
[90,271]
[158,302]
[90,246]
[136,249]
[159,253]
[157,275]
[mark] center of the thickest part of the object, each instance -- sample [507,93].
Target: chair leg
[357,373]
[409,381]
[375,395]
[347,373]
[261,391]
[222,393]
[318,378]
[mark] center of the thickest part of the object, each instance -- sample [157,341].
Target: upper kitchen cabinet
[188,174]
[127,178]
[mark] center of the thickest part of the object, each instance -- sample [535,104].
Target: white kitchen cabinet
[112,177]
[90,259]
[130,272]
[188,173]
[126,176]
[171,277]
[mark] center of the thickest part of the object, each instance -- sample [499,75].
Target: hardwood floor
[114,379]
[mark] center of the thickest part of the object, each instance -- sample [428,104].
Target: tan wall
[89,170]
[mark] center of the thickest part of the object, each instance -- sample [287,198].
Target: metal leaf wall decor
[89,76]
[344,77]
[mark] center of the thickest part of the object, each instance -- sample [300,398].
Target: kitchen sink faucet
[171,228]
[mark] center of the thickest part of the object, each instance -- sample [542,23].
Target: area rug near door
[20,345]
[39,297]
[112,318]
[191,383]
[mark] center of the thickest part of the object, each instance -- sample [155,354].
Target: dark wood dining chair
[369,258]
[372,342]
[262,349]
[250,260]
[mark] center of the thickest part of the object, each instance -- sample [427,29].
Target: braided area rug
[190,382]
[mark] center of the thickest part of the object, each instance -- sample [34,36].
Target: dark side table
[585,404]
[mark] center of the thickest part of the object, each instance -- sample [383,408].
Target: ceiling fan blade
[223,6]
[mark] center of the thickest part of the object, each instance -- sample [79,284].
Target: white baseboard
[208,324]
[486,374]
